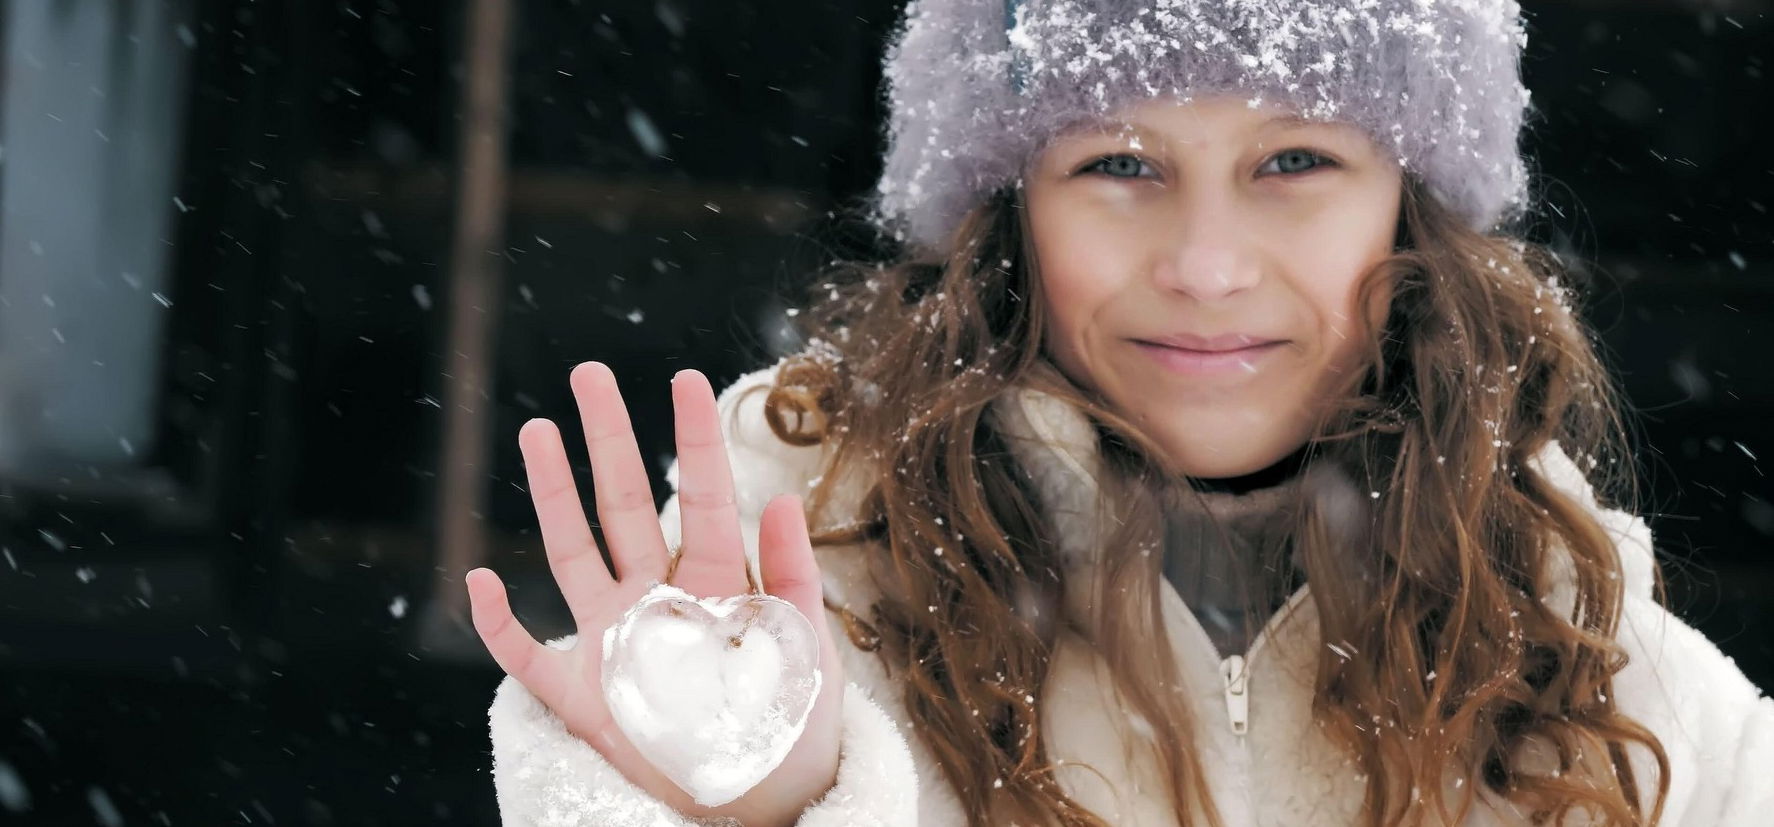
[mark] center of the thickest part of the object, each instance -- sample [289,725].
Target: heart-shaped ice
[713,691]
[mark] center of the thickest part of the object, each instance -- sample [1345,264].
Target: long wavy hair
[1481,362]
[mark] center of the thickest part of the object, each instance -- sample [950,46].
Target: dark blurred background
[280,281]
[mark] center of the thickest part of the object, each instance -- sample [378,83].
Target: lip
[1209,362]
[1211,344]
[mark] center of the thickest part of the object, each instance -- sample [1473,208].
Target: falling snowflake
[645,133]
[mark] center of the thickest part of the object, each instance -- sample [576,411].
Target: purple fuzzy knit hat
[976,87]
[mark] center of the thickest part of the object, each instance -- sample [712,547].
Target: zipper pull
[1237,702]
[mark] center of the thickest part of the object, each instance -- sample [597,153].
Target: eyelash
[1320,158]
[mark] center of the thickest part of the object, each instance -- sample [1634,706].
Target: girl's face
[1201,228]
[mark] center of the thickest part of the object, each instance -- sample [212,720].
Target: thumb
[785,556]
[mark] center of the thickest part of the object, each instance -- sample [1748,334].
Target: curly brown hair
[1482,361]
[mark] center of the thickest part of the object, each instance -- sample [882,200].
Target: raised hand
[712,565]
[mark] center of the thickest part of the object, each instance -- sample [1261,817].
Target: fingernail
[592,365]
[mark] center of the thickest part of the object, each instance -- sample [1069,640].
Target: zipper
[1234,672]
[1237,692]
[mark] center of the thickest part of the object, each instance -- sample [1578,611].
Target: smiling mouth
[1209,362]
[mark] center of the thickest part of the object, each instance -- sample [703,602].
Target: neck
[1228,549]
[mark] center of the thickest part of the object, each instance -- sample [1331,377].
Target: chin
[1208,454]
[1216,467]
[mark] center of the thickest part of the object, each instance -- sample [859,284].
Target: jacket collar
[1057,444]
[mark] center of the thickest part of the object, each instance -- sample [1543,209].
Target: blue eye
[1118,166]
[1287,162]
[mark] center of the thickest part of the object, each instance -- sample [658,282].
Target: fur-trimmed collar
[1057,444]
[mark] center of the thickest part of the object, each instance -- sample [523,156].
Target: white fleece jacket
[1281,771]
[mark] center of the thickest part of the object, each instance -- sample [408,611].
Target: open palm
[713,565]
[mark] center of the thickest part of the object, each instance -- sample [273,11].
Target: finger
[512,647]
[572,553]
[785,554]
[714,553]
[624,494]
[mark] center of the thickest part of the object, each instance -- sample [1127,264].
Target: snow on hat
[975,87]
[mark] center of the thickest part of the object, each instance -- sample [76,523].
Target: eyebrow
[1283,120]
[1108,127]
[1292,119]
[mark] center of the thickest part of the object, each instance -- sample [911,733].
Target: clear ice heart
[713,691]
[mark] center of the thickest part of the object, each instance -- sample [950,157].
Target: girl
[1214,454]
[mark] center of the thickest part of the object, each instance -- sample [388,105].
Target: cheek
[1080,277]
[1068,298]
[1343,252]
[1342,315]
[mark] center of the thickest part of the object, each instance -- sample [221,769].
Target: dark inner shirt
[1236,583]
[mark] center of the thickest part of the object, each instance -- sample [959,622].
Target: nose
[1206,253]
